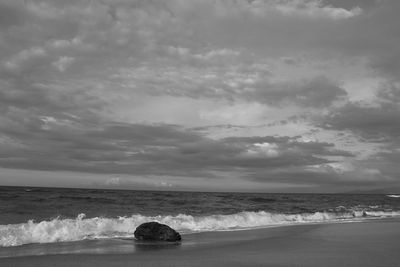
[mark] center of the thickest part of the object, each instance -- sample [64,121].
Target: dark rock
[364,214]
[154,231]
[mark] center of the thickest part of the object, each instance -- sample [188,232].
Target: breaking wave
[81,228]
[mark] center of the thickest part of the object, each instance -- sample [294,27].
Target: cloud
[12,14]
[374,121]
[252,84]
[120,87]
[151,150]
[328,179]
[317,92]
[370,122]
[63,63]
[315,9]
[24,59]
[113,181]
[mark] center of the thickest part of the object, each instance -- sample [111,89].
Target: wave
[81,228]
[396,196]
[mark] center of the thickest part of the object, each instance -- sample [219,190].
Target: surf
[83,228]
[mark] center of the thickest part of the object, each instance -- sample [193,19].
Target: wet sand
[368,243]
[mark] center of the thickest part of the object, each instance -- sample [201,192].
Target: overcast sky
[264,95]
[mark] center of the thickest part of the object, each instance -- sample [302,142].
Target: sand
[369,243]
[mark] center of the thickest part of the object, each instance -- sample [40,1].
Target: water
[57,215]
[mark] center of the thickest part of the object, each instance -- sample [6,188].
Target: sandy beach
[369,243]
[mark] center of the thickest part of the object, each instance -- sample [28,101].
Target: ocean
[34,218]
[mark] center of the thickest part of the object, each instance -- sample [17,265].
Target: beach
[262,132]
[367,243]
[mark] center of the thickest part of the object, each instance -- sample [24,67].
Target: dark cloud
[150,149]
[370,35]
[53,144]
[375,122]
[389,160]
[11,14]
[390,93]
[317,92]
[378,123]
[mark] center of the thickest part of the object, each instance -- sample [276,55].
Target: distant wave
[393,196]
[81,228]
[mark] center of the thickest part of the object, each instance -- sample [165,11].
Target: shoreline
[128,245]
[366,243]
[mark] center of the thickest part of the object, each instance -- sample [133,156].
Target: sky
[201,95]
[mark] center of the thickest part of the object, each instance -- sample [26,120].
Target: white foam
[80,228]
[396,196]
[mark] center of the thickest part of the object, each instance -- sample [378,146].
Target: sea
[37,221]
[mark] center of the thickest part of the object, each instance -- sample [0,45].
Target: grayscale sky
[230,95]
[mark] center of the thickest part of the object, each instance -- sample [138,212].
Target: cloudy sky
[229,95]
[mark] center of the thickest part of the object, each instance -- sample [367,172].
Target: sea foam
[81,228]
